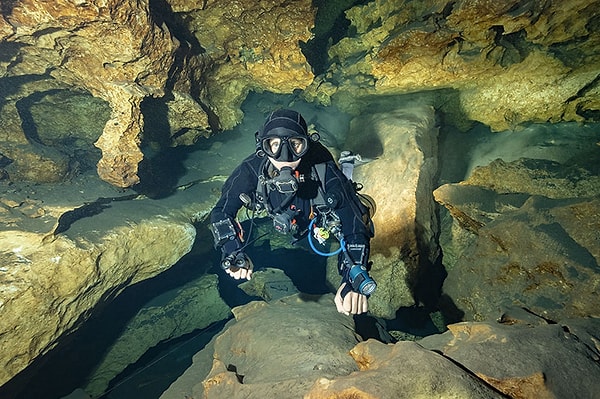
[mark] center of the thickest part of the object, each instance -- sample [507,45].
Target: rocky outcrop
[114,51]
[522,356]
[187,68]
[187,80]
[60,263]
[523,233]
[402,143]
[301,347]
[47,287]
[501,64]
[254,46]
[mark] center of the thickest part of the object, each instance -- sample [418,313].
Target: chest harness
[286,183]
[324,223]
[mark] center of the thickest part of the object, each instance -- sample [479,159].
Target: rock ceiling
[499,63]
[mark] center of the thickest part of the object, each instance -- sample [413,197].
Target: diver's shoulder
[318,153]
[252,162]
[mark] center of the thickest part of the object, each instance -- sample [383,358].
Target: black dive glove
[354,268]
[227,238]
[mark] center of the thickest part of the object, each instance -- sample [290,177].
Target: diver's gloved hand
[349,302]
[227,236]
[237,265]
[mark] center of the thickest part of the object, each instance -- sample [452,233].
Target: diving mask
[285,148]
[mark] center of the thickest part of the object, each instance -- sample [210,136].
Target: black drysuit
[244,179]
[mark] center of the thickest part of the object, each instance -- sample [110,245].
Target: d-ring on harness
[358,277]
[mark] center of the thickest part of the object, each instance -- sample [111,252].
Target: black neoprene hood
[284,122]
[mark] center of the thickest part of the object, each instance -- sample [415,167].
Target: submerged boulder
[523,233]
[301,338]
[526,357]
[300,346]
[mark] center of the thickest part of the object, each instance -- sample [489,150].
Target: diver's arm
[230,203]
[226,230]
[353,263]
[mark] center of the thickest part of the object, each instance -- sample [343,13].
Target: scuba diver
[295,179]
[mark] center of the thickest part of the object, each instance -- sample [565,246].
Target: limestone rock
[55,140]
[302,338]
[199,62]
[521,249]
[254,46]
[199,301]
[200,71]
[269,284]
[509,54]
[186,119]
[402,370]
[67,248]
[524,361]
[400,179]
[101,49]
[537,177]
[37,163]
[120,141]
[47,285]
[39,143]
[527,358]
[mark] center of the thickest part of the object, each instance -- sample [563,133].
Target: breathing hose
[312,244]
[358,276]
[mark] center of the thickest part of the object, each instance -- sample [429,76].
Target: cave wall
[502,64]
[189,68]
[200,61]
[499,63]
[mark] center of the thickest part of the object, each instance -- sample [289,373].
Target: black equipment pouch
[285,222]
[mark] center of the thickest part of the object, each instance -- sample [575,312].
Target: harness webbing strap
[263,190]
[320,169]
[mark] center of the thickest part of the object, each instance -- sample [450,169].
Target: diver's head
[284,137]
